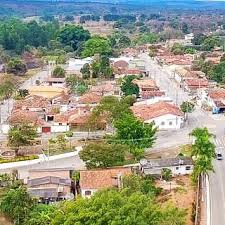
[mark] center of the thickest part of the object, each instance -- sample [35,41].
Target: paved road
[215,124]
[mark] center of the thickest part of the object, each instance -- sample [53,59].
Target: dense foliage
[103,155]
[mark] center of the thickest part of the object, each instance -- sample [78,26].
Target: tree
[190,51]
[122,208]
[73,36]
[137,183]
[198,39]
[85,70]
[217,72]
[177,49]
[7,89]
[128,87]
[17,204]
[103,155]
[21,135]
[187,107]
[59,72]
[134,133]
[166,174]
[40,215]
[146,38]
[101,68]
[111,109]
[96,45]
[16,66]
[203,151]
[209,43]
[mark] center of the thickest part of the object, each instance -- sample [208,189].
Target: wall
[56,128]
[177,122]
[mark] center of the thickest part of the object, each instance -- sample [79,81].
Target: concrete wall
[56,128]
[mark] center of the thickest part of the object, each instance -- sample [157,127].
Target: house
[46,91]
[23,116]
[214,99]
[50,184]
[90,99]
[62,101]
[192,85]
[55,82]
[178,166]
[94,180]
[165,115]
[33,103]
[137,64]
[75,65]
[106,89]
[148,89]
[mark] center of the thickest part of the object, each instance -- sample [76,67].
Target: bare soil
[181,192]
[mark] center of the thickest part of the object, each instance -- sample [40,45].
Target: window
[170,123]
[177,168]
[162,123]
[87,192]
[188,168]
[60,124]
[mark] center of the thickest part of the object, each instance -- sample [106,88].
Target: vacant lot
[181,192]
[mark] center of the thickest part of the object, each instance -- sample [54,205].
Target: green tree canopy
[85,70]
[118,208]
[128,87]
[17,204]
[134,133]
[97,45]
[73,35]
[203,151]
[217,72]
[16,66]
[103,155]
[7,89]
[187,107]
[59,72]
[40,215]
[21,135]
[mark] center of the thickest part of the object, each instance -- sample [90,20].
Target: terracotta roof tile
[23,116]
[90,98]
[147,112]
[98,179]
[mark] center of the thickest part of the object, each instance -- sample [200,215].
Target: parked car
[219,156]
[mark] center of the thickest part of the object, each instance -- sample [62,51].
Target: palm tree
[203,150]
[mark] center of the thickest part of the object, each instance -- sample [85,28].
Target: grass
[18,159]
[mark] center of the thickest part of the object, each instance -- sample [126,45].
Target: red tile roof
[23,116]
[145,83]
[147,112]
[197,83]
[121,64]
[149,94]
[90,98]
[217,94]
[98,179]
[32,101]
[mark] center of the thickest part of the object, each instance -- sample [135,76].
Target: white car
[219,156]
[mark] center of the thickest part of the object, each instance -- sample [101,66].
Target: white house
[178,166]
[94,180]
[75,65]
[215,99]
[165,115]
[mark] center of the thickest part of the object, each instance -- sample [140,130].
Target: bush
[59,72]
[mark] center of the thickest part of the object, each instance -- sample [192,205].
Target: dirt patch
[181,192]
[4,221]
